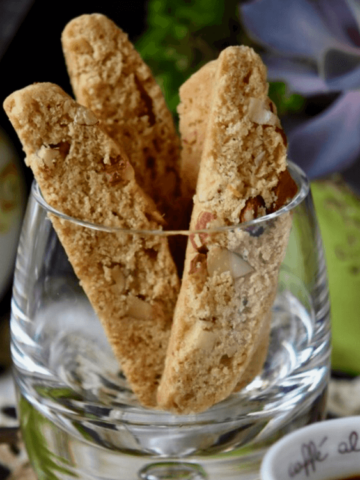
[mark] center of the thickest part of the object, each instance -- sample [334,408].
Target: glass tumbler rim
[296,173]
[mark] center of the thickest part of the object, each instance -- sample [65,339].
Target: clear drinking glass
[78,415]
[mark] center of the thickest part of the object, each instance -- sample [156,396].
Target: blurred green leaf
[44,462]
[56,393]
[285,102]
[338,211]
[184,35]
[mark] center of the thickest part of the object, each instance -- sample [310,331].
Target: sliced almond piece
[196,241]
[204,219]
[139,309]
[47,155]
[254,208]
[259,112]
[85,117]
[220,260]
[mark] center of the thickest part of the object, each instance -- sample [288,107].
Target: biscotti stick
[109,77]
[130,279]
[194,110]
[230,278]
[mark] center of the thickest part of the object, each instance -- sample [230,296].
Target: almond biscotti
[230,278]
[130,280]
[109,77]
[194,110]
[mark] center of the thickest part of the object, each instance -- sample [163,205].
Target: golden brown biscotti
[130,280]
[109,77]
[230,278]
[194,108]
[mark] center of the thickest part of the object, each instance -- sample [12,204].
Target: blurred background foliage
[181,36]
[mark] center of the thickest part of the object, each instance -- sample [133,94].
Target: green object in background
[338,211]
[33,425]
[183,36]
[285,102]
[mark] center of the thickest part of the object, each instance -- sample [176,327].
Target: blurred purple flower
[314,47]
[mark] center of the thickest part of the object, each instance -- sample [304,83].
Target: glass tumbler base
[56,454]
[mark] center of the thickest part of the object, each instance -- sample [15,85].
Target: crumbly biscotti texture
[194,108]
[109,77]
[230,278]
[130,279]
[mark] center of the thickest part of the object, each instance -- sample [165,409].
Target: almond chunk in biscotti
[242,159]
[109,77]
[130,280]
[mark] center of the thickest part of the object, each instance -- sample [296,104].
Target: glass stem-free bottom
[55,453]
